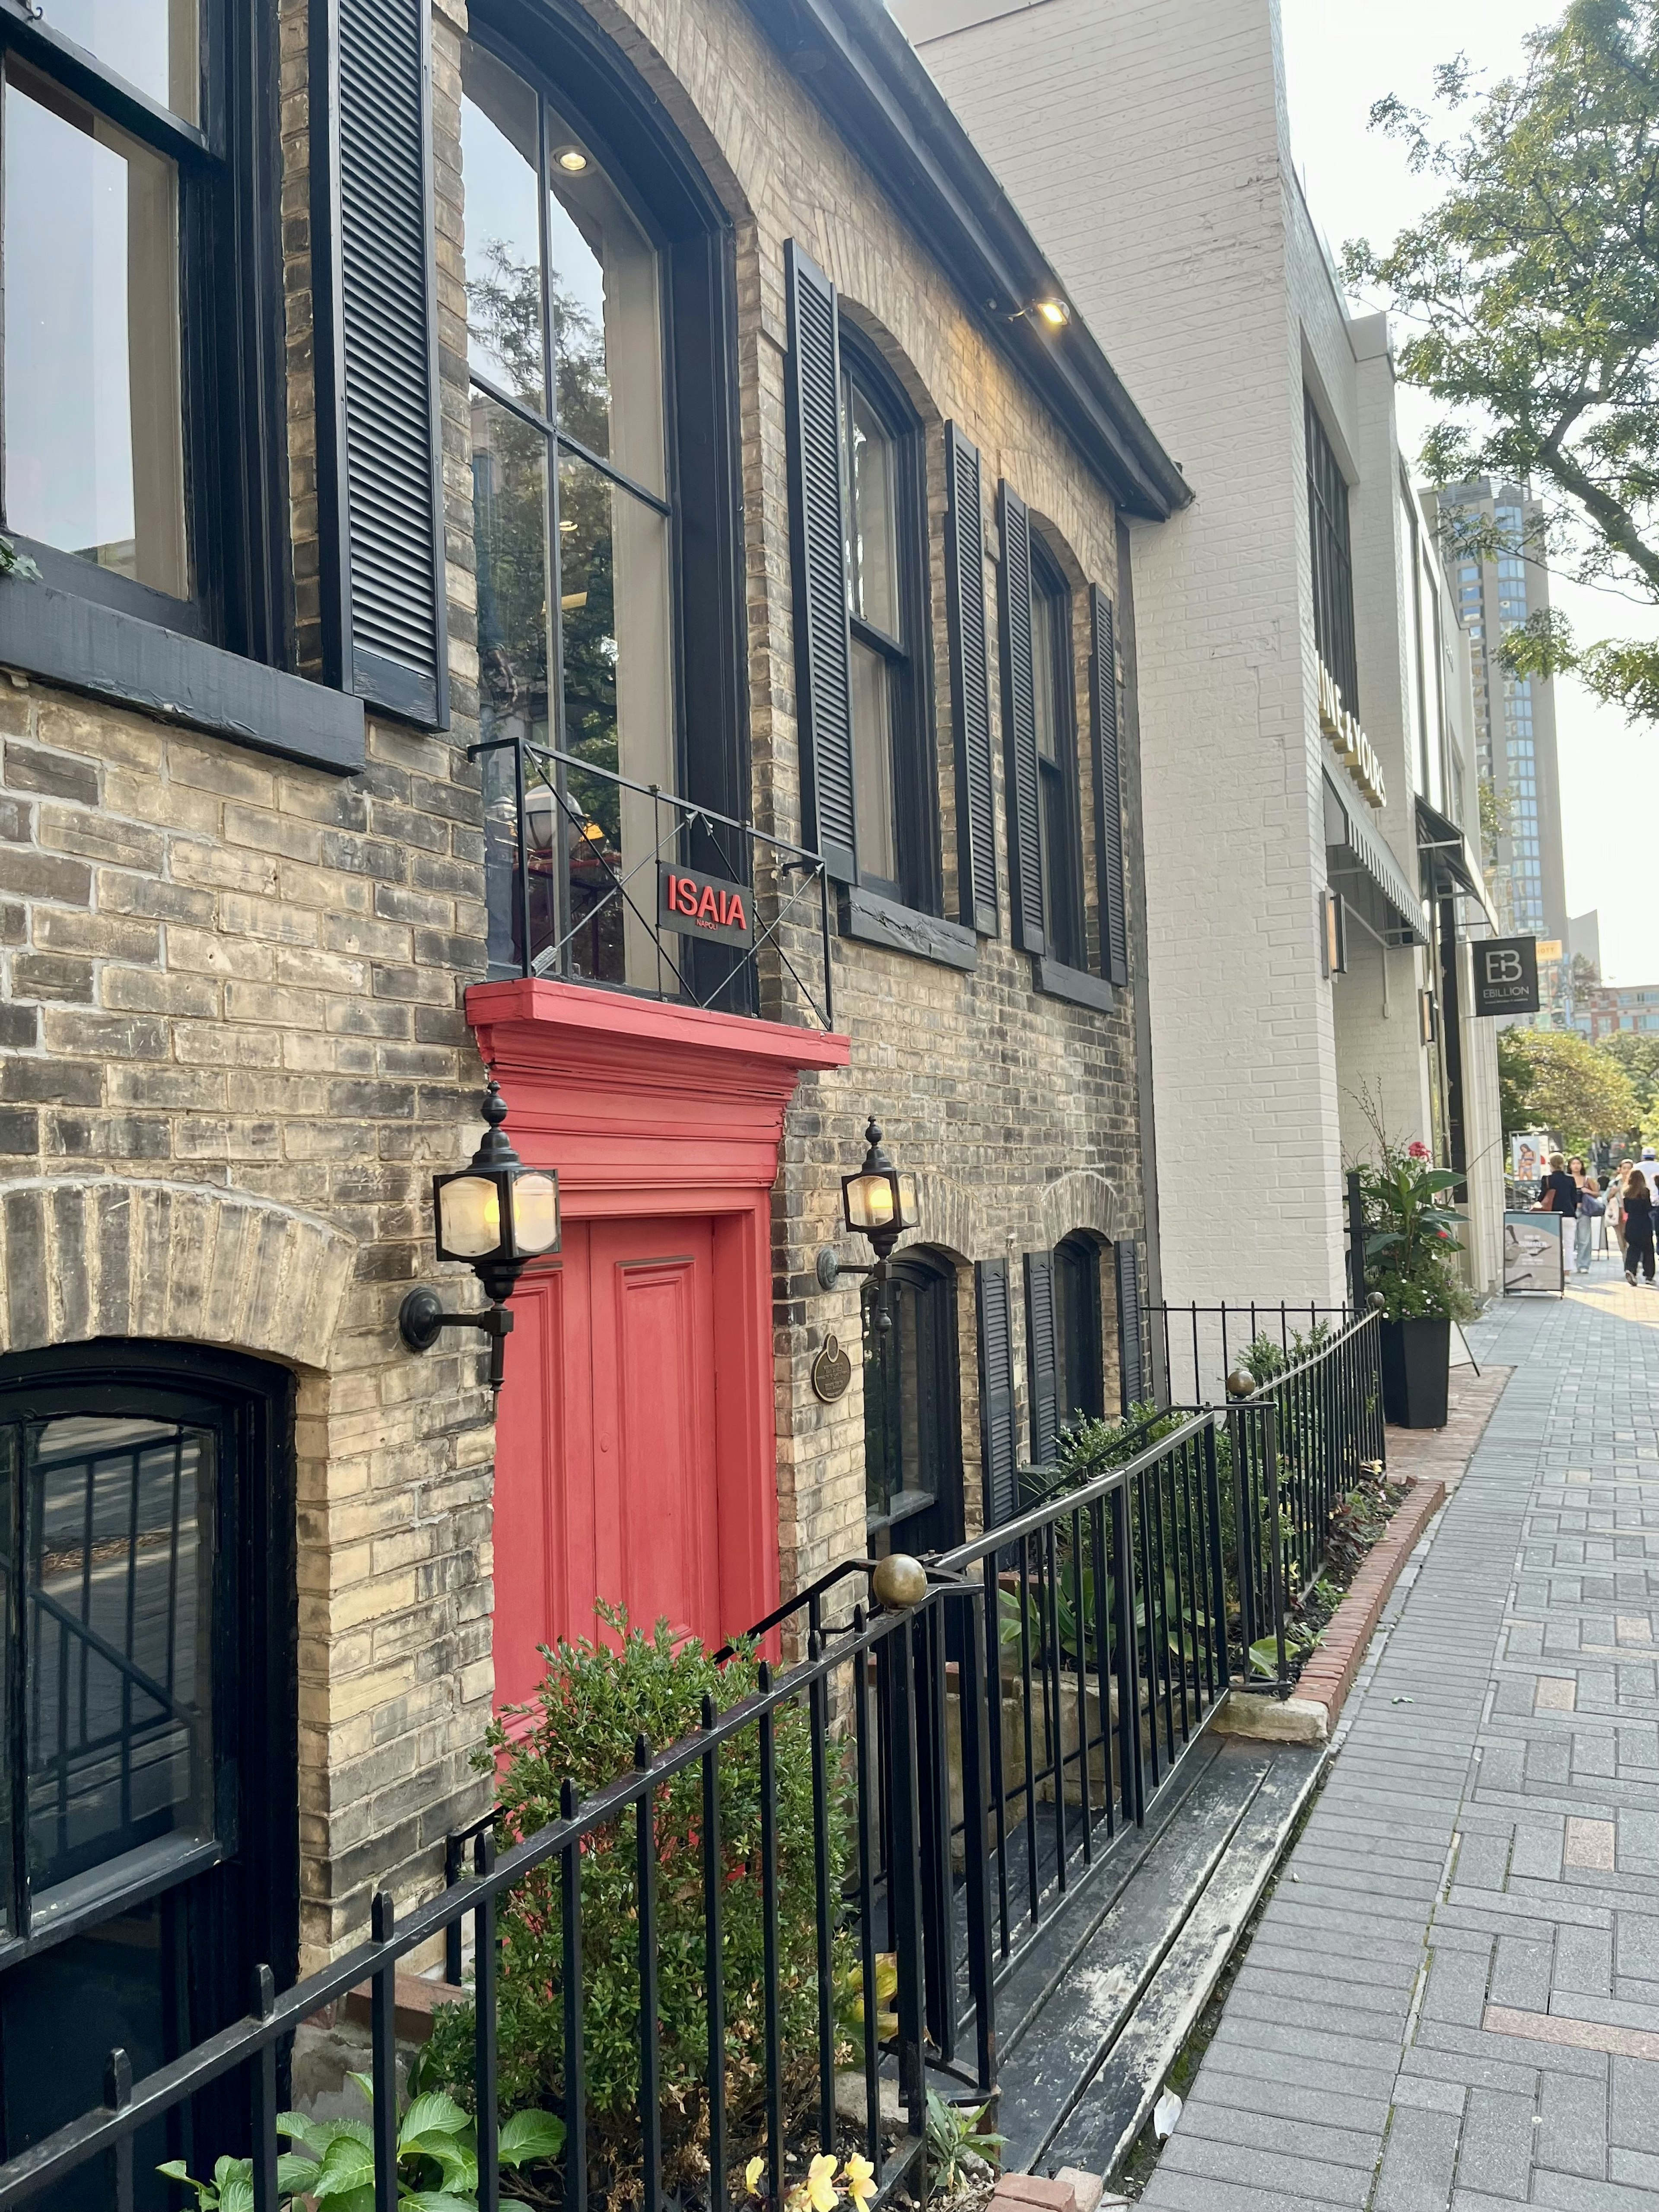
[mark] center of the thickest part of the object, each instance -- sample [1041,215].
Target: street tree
[1556,1079]
[1533,290]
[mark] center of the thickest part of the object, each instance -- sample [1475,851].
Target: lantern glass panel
[535,1214]
[468,1216]
[909,1203]
[869,1202]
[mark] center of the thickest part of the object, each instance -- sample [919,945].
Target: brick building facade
[261,895]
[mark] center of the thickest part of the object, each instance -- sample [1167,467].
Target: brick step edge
[1311,1713]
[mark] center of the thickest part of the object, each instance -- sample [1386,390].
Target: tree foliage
[1556,1079]
[1639,1058]
[1532,288]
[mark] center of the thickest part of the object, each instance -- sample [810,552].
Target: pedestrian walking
[1559,1192]
[1638,1227]
[1591,1208]
[1616,1204]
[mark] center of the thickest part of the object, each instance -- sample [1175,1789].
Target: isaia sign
[703,906]
[1505,974]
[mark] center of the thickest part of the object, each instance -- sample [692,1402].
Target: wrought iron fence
[965,1763]
[1194,1348]
[599,878]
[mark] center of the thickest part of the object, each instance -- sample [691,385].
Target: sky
[1340,55]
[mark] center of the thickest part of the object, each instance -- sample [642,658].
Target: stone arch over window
[102,1256]
[1085,1199]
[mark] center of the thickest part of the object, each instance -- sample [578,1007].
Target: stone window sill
[1056,980]
[115,657]
[876,920]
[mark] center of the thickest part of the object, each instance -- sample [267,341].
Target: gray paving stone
[1494,2152]
[1635,2122]
[1344,2186]
[1573,2138]
[1419,2159]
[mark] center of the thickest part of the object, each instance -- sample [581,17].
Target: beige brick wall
[232,992]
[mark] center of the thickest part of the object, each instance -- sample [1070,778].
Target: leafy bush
[595,1701]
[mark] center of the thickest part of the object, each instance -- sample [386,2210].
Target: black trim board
[877,921]
[113,657]
[855,61]
[1056,980]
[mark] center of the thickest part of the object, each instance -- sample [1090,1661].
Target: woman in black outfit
[1638,1227]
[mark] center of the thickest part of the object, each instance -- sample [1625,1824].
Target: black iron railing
[598,879]
[1194,1348]
[968,1761]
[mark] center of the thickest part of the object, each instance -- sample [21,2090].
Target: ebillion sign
[703,906]
[1505,974]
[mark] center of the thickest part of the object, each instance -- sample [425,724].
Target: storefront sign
[1534,1254]
[1344,732]
[703,906]
[1505,974]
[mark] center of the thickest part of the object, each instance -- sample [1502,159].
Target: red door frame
[647,1109]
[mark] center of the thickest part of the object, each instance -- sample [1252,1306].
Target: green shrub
[595,1700]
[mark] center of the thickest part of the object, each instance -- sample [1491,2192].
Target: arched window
[599,279]
[1079,1353]
[885,507]
[912,1408]
[148,1788]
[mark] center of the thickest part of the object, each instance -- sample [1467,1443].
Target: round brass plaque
[832,1371]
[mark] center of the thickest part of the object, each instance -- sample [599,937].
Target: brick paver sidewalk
[1452,1998]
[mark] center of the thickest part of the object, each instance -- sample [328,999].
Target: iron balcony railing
[595,878]
[981,1753]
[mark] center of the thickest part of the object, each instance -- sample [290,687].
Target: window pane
[94,420]
[154,44]
[118,1558]
[618,713]
[1043,670]
[872,524]
[498,160]
[509,510]
[872,764]
[607,333]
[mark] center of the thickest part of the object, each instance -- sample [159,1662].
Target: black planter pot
[1416,1365]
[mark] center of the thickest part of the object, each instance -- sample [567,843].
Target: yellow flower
[751,2174]
[821,2190]
[859,2176]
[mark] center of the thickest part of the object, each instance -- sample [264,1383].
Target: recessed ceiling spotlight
[571,159]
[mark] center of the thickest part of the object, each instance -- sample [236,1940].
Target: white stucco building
[1303,684]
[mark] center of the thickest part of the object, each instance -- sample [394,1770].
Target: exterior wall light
[496,1215]
[1055,313]
[880,1203]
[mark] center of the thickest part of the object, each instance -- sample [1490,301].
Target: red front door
[606,1472]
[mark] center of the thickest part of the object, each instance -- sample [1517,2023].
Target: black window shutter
[1108,790]
[996,1391]
[971,682]
[822,650]
[1019,726]
[1131,1339]
[373,277]
[1040,1361]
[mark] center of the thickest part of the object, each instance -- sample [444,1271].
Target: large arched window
[912,1408]
[148,1858]
[598,324]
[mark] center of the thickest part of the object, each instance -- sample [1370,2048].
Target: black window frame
[231,1902]
[1079,1331]
[218,661]
[1060,814]
[1330,554]
[581,75]
[912,738]
[929,1516]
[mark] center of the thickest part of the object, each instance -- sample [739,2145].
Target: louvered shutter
[1019,726]
[996,1391]
[379,456]
[1040,1365]
[971,682]
[1131,1337]
[823,648]
[1108,790]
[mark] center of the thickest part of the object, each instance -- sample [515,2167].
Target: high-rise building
[1515,716]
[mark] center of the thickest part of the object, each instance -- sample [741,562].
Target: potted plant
[1409,1242]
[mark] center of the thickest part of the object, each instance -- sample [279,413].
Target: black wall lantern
[496,1215]
[880,1203]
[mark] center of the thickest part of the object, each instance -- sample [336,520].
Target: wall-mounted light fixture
[1428,1016]
[1333,935]
[496,1215]
[881,1203]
